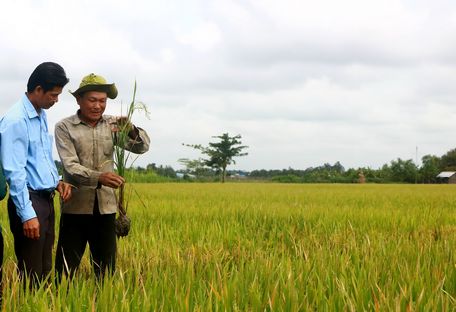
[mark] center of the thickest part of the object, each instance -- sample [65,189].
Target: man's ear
[38,89]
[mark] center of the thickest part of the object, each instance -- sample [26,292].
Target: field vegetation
[266,246]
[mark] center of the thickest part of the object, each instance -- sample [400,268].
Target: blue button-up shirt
[26,153]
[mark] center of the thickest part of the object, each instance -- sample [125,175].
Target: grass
[255,247]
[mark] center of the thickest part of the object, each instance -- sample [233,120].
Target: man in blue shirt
[3,191]
[29,168]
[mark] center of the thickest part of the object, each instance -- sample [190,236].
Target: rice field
[268,247]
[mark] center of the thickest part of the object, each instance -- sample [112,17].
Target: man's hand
[64,190]
[111,179]
[123,123]
[31,228]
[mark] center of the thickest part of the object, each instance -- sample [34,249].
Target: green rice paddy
[267,247]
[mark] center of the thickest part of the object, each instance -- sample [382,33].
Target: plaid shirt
[86,152]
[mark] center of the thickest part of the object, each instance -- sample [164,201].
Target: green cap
[94,82]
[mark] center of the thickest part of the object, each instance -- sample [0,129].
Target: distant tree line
[397,171]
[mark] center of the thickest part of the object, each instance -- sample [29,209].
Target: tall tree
[403,171]
[430,168]
[221,153]
[448,161]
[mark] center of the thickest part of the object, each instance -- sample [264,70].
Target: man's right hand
[111,179]
[31,228]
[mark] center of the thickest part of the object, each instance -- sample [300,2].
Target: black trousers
[75,232]
[1,266]
[34,257]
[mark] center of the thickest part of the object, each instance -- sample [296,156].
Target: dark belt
[47,193]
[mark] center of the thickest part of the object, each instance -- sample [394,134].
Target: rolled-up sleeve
[70,160]
[140,145]
[14,150]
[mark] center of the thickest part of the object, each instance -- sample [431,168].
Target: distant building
[238,176]
[447,177]
[181,175]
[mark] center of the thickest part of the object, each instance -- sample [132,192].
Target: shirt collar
[31,111]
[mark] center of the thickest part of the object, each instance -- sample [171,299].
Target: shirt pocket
[108,147]
[50,142]
[34,147]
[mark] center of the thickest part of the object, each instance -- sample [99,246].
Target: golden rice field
[273,247]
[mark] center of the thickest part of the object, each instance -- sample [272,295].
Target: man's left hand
[64,190]
[125,123]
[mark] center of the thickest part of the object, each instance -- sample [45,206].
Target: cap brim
[110,90]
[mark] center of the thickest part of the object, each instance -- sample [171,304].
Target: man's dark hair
[47,75]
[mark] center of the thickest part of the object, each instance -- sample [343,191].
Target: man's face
[92,105]
[47,99]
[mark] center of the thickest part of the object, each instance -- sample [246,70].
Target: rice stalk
[121,139]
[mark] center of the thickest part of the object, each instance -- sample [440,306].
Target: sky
[303,82]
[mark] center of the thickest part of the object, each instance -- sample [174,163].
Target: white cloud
[202,38]
[304,82]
